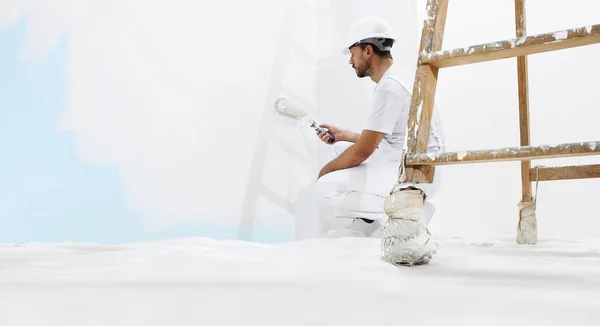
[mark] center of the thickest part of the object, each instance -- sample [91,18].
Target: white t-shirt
[390,106]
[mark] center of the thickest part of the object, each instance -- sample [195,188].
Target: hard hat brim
[378,44]
[346,49]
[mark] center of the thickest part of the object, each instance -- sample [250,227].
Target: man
[363,167]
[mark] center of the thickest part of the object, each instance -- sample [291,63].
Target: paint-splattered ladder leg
[421,109]
[527,226]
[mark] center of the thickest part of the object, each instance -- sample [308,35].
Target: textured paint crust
[546,38]
[510,153]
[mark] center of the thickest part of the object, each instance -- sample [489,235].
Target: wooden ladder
[420,166]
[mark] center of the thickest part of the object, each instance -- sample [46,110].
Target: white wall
[479,106]
[181,101]
[179,96]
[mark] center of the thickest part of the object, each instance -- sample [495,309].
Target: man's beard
[363,71]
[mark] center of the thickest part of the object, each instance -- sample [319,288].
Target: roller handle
[331,138]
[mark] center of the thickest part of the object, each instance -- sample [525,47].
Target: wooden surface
[565,172]
[505,154]
[520,46]
[523,84]
[421,108]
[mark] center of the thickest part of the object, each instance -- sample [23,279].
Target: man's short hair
[384,54]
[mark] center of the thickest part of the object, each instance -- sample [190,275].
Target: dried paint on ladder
[561,35]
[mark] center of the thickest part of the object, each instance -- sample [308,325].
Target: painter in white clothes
[364,167]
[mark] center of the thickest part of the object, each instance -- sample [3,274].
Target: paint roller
[284,107]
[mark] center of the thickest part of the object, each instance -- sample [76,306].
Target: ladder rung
[522,153]
[514,48]
[564,172]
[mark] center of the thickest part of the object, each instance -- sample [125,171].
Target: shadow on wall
[282,166]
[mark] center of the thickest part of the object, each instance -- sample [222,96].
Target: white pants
[360,191]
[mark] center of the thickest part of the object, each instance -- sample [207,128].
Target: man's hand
[338,134]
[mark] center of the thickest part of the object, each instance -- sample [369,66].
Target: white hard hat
[368,30]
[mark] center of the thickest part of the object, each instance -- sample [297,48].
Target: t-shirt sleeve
[387,106]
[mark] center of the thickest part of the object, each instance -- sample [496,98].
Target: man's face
[359,59]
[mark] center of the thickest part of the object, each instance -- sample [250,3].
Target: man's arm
[351,136]
[364,146]
[339,134]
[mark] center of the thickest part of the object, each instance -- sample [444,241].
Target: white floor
[314,282]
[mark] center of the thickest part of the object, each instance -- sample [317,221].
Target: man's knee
[328,186]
